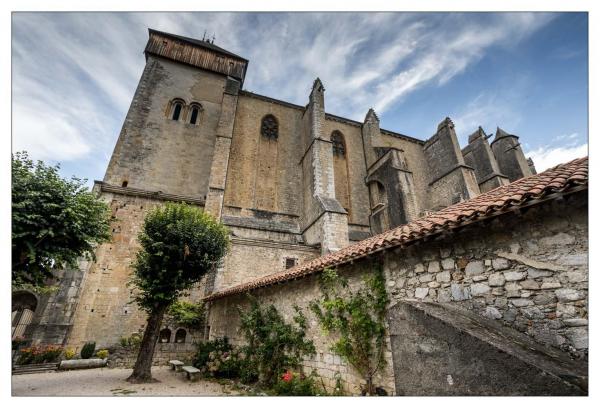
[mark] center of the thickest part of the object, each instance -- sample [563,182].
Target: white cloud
[546,157]
[74,74]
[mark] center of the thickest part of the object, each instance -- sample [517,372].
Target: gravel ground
[111,382]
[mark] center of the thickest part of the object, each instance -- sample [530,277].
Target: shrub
[39,354]
[102,353]
[272,344]
[87,351]
[297,384]
[186,314]
[69,353]
[218,358]
[124,341]
[17,342]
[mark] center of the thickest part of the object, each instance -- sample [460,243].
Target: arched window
[340,169]
[269,127]
[164,336]
[195,111]
[175,109]
[337,143]
[180,336]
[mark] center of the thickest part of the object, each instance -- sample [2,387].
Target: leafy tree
[179,245]
[54,221]
[358,318]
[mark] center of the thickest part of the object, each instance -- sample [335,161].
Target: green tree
[179,245]
[357,318]
[54,221]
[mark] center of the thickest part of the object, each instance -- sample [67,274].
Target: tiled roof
[520,193]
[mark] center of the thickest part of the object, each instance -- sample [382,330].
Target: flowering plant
[39,354]
[287,376]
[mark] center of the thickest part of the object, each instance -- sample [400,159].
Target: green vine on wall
[273,345]
[358,320]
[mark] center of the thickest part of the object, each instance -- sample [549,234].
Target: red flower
[288,376]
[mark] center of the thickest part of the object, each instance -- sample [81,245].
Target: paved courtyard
[111,381]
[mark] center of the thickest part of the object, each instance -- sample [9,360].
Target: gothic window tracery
[269,127]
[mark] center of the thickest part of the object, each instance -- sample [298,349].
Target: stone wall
[224,321]
[530,272]
[526,271]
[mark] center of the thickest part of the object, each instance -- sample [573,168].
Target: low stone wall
[224,321]
[528,271]
[124,357]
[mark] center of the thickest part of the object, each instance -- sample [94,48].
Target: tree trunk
[142,369]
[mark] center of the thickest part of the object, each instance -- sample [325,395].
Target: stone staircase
[34,368]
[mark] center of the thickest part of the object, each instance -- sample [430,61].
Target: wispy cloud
[74,74]
[546,157]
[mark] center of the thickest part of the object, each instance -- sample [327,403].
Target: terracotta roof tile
[561,178]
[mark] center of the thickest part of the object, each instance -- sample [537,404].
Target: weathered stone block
[426,278]
[530,284]
[496,279]
[520,302]
[575,322]
[500,264]
[533,273]
[443,277]
[448,264]
[578,337]
[514,276]
[492,313]
[569,295]
[478,289]
[551,285]
[434,266]
[421,293]
[474,268]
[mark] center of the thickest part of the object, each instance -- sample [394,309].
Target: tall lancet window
[340,169]
[265,182]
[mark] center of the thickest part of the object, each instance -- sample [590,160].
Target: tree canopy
[180,244]
[55,221]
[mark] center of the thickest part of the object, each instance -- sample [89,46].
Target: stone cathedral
[292,183]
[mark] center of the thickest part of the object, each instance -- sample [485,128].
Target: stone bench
[175,365]
[192,373]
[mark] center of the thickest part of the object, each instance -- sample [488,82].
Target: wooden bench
[175,365]
[192,373]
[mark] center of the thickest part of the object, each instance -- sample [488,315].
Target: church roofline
[328,116]
[560,180]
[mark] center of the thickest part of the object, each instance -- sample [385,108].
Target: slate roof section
[520,193]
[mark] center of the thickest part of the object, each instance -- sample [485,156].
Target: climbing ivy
[357,319]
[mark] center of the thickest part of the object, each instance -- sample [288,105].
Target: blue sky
[74,74]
